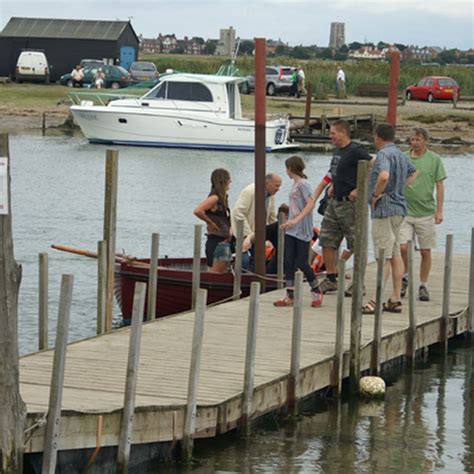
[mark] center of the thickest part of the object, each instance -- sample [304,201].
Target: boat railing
[98,98]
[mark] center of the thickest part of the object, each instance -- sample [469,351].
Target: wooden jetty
[95,373]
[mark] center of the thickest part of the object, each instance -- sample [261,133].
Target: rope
[39,422]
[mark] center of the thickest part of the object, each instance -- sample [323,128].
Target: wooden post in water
[471,287]
[101,285]
[411,338]
[448,261]
[53,425]
[281,252]
[307,113]
[194,372]
[43,301]
[125,438]
[295,345]
[393,87]
[338,364]
[153,277]
[250,350]
[13,410]
[238,258]
[110,225]
[196,263]
[375,355]
[43,124]
[360,259]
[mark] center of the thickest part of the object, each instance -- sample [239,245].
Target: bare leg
[330,259]
[397,274]
[425,266]
[404,252]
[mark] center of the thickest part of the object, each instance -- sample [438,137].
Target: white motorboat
[181,111]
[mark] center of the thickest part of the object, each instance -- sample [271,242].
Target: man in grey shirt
[391,172]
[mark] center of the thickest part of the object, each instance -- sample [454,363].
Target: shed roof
[56,28]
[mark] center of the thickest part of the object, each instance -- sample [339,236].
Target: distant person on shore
[77,76]
[340,82]
[424,212]
[301,81]
[294,83]
[215,212]
[99,78]
[390,174]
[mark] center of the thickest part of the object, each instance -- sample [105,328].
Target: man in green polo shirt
[424,210]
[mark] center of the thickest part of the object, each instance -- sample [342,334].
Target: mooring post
[250,350]
[281,252]
[360,258]
[110,226]
[101,285]
[293,379]
[43,124]
[338,364]
[323,125]
[194,372]
[393,87]
[125,437]
[238,258]
[411,339]
[196,263]
[471,287]
[153,277]
[53,424]
[43,301]
[307,113]
[448,260]
[375,354]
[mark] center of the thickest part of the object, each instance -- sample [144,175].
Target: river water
[57,197]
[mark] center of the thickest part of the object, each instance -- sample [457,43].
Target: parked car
[32,66]
[277,80]
[143,71]
[115,76]
[91,62]
[432,88]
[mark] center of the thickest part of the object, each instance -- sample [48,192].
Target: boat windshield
[175,90]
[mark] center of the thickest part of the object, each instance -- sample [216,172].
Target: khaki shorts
[386,235]
[423,228]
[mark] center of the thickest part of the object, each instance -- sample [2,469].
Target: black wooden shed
[66,42]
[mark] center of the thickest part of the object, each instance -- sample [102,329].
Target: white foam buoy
[372,387]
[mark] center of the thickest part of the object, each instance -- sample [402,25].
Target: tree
[198,40]
[247,47]
[382,45]
[210,48]
[355,45]
[344,49]
[448,56]
[325,53]
[301,52]
[282,50]
[401,47]
[178,50]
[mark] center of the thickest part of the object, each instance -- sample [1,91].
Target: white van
[32,66]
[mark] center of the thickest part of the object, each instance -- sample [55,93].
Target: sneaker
[316,299]
[349,289]
[286,301]
[328,285]
[423,294]
[403,291]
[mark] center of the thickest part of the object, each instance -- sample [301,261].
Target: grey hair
[269,177]
[421,132]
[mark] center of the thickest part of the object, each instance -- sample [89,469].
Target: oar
[88,253]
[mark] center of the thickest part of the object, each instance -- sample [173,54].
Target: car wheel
[115,85]
[271,89]
[408,95]
[430,97]
[69,83]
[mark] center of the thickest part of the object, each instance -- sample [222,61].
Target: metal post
[43,301]
[375,356]
[238,258]
[125,438]
[281,252]
[53,424]
[252,324]
[101,285]
[338,364]
[411,339]
[448,260]
[196,263]
[194,372]
[153,278]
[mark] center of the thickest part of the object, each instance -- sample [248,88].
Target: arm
[306,210]
[411,178]
[204,206]
[439,202]
[318,190]
[380,186]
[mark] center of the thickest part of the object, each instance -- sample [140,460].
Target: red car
[433,88]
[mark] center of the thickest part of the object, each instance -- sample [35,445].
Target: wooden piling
[307,114]
[43,124]
[375,353]
[448,260]
[281,252]
[101,285]
[194,372]
[238,258]
[53,424]
[196,263]
[338,364]
[110,225]
[393,87]
[411,336]
[471,286]
[360,259]
[295,345]
[250,350]
[43,301]
[153,277]
[125,438]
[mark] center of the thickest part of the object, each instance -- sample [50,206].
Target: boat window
[158,92]
[231,96]
[193,91]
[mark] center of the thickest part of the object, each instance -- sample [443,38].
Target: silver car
[143,71]
[278,79]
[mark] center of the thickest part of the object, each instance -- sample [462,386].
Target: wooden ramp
[95,368]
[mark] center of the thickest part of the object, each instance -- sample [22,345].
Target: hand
[375,200]
[438,217]
[213,226]
[247,243]
[289,223]
[353,195]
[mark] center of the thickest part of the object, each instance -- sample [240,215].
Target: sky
[444,23]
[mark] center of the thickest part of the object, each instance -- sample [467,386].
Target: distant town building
[150,45]
[226,43]
[168,43]
[337,37]
[421,54]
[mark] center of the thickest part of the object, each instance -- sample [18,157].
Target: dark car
[278,80]
[115,76]
[432,88]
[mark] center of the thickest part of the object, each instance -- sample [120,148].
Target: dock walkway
[95,368]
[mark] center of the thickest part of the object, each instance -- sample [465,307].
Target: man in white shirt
[77,76]
[341,82]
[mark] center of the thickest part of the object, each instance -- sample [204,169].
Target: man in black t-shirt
[339,217]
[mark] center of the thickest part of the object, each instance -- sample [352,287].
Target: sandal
[392,306]
[369,308]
